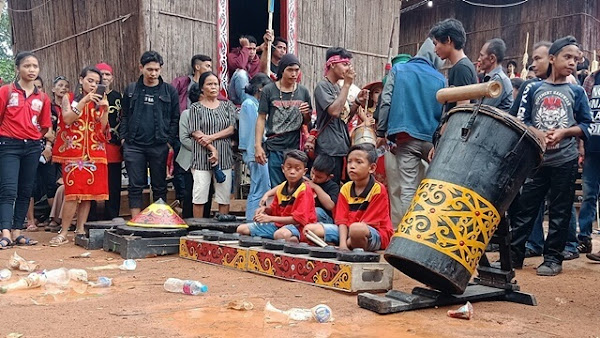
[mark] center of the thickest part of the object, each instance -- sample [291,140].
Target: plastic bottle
[57,276]
[188,287]
[103,282]
[128,265]
[34,280]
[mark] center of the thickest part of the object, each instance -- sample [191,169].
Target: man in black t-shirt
[449,38]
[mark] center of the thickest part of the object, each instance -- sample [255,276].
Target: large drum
[363,134]
[475,175]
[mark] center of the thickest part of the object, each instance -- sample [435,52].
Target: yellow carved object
[451,219]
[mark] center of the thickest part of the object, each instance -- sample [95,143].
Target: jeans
[237,86]
[535,242]
[591,188]
[404,171]
[560,182]
[259,185]
[323,217]
[18,167]
[178,175]
[113,205]
[45,183]
[275,161]
[186,204]
[138,159]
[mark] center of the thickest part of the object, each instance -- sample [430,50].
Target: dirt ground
[137,305]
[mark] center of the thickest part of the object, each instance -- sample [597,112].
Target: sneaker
[594,256]
[549,269]
[498,265]
[530,253]
[585,245]
[568,255]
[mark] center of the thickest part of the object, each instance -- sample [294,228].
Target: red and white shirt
[22,117]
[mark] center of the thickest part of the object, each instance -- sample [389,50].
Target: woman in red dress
[81,149]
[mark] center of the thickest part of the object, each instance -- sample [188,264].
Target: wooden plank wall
[543,19]
[178,30]
[363,26]
[52,21]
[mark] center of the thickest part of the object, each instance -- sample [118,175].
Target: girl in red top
[24,119]
[81,148]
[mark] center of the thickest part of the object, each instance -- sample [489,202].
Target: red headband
[334,60]
[104,66]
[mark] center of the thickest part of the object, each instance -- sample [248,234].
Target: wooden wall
[56,31]
[362,26]
[179,29]
[543,19]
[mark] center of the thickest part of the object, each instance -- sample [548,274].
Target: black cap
[561,43]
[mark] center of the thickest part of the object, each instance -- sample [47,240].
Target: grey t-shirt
[547,106]
[333,140]
[284,119]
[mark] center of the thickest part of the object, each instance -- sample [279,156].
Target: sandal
[58,241]
[53,226]
[31,228]
[24,241]
[4,240]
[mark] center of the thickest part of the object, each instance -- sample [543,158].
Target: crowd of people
[298,145]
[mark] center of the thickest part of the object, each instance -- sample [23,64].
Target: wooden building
[69,34]
[542,19]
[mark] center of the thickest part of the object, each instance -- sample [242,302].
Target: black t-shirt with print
[147,129]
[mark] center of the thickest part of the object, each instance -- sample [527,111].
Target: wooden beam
[306,43]
[187,17]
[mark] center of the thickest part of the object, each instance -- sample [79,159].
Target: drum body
[469,185]
[364,134]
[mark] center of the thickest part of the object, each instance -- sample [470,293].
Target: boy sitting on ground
[293,205]
[326,191]
[362,213]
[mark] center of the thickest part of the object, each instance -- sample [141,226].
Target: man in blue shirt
[408,116]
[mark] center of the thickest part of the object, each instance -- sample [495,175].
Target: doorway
[251,18]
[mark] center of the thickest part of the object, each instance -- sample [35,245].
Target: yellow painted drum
[458,206]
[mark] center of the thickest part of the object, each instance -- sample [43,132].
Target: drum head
[507,119]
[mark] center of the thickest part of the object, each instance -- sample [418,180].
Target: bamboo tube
[491,89]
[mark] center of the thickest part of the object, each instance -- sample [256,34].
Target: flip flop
[58,241]
[7,241]
[28,241]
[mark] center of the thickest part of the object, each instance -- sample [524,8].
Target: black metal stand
[492,284]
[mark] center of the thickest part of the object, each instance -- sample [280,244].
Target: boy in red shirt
[362,211]
[292,208]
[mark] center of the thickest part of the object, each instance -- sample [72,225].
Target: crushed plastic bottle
[321,313]
[58,277]
[33,280]
[78,275]
[128,265]
[103,282]
[5,274]
[187,287]
[19,263]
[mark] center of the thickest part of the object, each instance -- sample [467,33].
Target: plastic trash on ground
[103,282]
[128,265]
[58,277]
[240,305]
[187,287]
[78,275]
[463,312]
[17,262]
[33,280]
[320,313]
[5,274]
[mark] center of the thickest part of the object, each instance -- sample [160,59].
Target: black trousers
[138,159]
[560,183]
[112,206]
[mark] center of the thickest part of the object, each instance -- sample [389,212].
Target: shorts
[374,240]
[202,180]
[332,233]
[264,230]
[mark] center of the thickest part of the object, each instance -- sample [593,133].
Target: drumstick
[315,239]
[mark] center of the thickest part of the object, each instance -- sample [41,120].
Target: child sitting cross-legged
[293,205]
[362,212]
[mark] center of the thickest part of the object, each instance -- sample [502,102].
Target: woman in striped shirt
[212,122]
